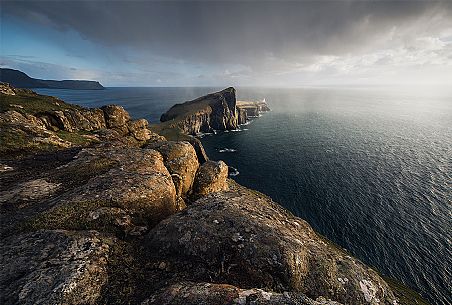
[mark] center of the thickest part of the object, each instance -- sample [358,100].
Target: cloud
[265,40]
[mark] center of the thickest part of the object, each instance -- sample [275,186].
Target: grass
[76,138]
[32,103]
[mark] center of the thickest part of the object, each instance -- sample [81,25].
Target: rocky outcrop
[216,111]
[244,239]
[73,119]
[35,122]
[53,267]
[251,109]
[190,293]
[210,178]
[181,160]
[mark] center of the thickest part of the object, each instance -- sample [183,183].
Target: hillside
[19,79]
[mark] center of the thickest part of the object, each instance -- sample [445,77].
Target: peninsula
[98,208]
[19,79]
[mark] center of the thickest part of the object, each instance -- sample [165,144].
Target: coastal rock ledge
[122,215]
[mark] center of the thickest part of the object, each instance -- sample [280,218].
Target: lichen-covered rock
[242,238]
[7,89]
[20,131]
[211,177]
[53,267]
[139,129]
[29,190]
[137,181]
[189,293]
[73,119]
[116,117]
[181,160]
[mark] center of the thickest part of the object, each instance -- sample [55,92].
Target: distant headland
[19,79]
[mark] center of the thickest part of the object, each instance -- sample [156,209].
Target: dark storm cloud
[229,32]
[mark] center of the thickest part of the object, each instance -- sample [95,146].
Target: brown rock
[139,129]
[116,117]
[244,239]
[211,177]
[189,293]
[181,160]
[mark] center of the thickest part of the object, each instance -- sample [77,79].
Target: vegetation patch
[79,173]
[26,101]
[77,138]
[73,216]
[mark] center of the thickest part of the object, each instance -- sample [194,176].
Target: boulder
[134,180]
[53,267]
[116,117]
[211,177]
[181,161]
[244,239]
[139,129]
[189,293]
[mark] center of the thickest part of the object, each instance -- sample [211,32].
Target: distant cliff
[215,111]
[19,79]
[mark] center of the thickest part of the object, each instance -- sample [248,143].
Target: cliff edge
[98,209]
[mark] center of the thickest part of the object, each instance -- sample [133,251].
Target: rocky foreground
[98,209]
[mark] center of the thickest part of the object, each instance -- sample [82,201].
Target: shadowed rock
[53,267]
[189,293]
[213,111]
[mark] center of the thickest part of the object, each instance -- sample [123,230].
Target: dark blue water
[369,169]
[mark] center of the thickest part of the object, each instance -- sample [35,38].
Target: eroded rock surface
[189,293]
[53,267]
[211,177]
[181,160]
[242,238]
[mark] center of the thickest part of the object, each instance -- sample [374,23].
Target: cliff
[98,209]
[21,80]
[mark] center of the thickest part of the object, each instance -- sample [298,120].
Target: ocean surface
[371,169]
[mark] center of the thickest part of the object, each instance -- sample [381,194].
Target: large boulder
[181,161]
[244,239]
[53,267]
[72,120]
[139,129]
[116,117]
[189,293]
[130,187]
[211,177]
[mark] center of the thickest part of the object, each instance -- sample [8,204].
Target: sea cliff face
[216,111]
[98,209]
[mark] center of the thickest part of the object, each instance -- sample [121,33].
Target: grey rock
[53,267]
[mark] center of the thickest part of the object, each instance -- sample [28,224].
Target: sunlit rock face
[242,238]
[216,111]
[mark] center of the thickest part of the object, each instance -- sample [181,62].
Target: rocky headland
[98,208]
[21,80]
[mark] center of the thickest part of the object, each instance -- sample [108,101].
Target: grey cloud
[230,32]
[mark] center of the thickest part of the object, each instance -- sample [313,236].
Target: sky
[230,43]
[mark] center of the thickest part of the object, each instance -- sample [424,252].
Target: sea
[369,168]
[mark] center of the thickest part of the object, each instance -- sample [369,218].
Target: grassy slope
[32,103]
